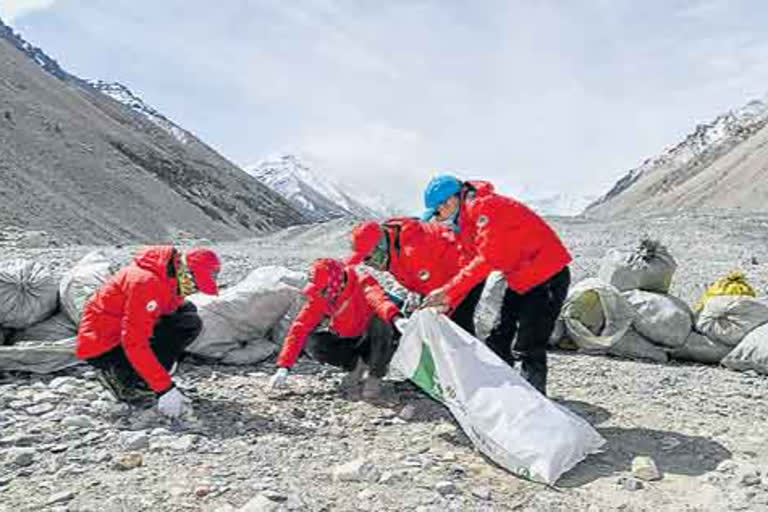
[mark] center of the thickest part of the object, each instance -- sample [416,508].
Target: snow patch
[122,94]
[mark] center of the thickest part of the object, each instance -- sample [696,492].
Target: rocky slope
[721,165]
[86,169]
[317,196]
[64,445]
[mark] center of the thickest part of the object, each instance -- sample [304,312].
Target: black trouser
[531,316]
[172,334]
[464,314]
[376,347]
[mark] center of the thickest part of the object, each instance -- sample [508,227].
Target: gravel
[701,425]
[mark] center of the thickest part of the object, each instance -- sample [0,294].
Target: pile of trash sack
[627,311]
[39,313]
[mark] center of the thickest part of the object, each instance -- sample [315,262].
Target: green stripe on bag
[425,376]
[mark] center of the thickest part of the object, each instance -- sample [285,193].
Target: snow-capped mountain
[381,205]
[317,196]
[727,154]
[560,204]
[121,93]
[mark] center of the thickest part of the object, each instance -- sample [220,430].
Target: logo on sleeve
[151,306]
[482,221]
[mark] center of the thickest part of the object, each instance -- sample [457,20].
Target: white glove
[174,404]
[401,324]
[278,379]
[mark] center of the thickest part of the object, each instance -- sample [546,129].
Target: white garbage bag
[57,327]
[598,319]
[489,306]
[634,345]
[39,357]
[596,316]
[279,330]
[82,280]
[700,349]
[663,319]
[240,318]
[751,353]
[505,417]
[650,267]
[728,318]
[28,293]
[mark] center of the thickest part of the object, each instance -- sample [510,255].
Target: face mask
[379,257]
[453,221]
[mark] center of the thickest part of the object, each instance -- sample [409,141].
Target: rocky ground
[64,445]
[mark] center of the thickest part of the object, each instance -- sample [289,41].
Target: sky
[540,97]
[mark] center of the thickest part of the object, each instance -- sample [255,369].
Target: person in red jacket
[504,234]
[359,331]
[421,256]
[135,327]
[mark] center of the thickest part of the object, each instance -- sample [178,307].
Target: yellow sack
[734,283]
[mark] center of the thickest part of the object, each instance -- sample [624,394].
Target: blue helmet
[439,190]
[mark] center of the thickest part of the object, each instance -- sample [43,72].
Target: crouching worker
[360,334]
[421,256]
[135,328]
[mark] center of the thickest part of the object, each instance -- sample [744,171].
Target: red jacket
[499,233]
[125,310]
[361,299]
[423,255]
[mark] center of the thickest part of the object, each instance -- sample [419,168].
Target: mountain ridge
[686,175]
[88,169]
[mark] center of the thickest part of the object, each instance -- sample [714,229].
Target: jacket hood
[481,188]
[155,259]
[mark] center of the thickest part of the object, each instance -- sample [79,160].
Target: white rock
[21,457]
[274,496]
[39,410]
[358,470]
[727,466]
[19,404]
[58,382]
[387,477]
[134,440]
[748,476]
[645,468]
[45,396]
[446,488]
[260,504]
[483,493]
[408,412]
[61,497]
[78,421]
[184,443]
[67,389]
[58,448]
